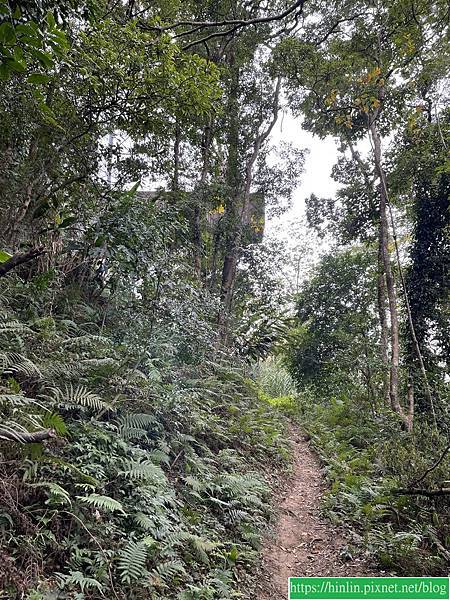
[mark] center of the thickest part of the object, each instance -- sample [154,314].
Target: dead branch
[422,492]
[19,259]
[433,466]
[26,437]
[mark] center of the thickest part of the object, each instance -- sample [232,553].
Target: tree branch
[433,466]
[25,437]
[238,23]
[19,259]
[420,492]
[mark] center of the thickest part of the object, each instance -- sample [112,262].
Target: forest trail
[304,543]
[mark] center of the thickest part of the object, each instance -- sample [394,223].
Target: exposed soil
[304,543]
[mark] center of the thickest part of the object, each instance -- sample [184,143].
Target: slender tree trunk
[381,297]
[381,282]
[197,217]
[215,253]
[409,422]
[16,218]
[390,284]
[176,159]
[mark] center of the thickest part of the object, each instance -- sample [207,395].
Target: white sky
[316,177]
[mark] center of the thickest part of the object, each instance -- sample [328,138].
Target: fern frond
[235,515]
[86,341]
[13,327]
[137,421]
[132,561]
[78,578]
[15,400]
[201,548]
[80,396]
[132,433]
[158,457]
[143,470]
[102,502]
[166,571]
[68,326]
[194,483]
[144,521]
[58,495]
[52,420]
[14,362]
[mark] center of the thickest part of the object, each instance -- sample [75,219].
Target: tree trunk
[197,217]
[233,185]
[176,159]
[381,297]
[390,284]
[25,437]
[241,218]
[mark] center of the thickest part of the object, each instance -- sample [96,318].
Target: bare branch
[234,23]
[419,492]
[25,437]
[433,466]
[19,259]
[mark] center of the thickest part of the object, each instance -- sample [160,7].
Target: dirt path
[304,543]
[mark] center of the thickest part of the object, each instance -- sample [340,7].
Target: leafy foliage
[366,462]
[155,475]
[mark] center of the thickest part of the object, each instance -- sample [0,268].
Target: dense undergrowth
[154,484]
[366,462]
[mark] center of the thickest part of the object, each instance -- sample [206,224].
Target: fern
[80,396]
[15,400]
[52,420]
[102,502]
[201,548]
[194,483]
[166,571]
[132,562]
[13,327]
[144,521]
[142,471]
[58,495]
[137,420]
[158,456]
[14,362]
[86,341]
[77,578]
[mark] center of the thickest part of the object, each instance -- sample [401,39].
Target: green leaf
[58,495]
[38,78]
[4,71]
[15,65]
[67,221]
[51,20]
[4,256]
[44,58]
[7,33]
[55,421]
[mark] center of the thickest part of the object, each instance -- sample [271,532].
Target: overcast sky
[318,164]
